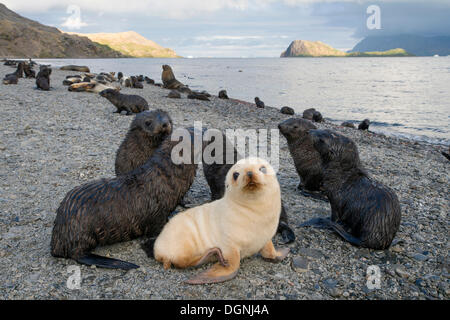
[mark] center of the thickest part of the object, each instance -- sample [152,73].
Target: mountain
[305,48]
[397,52]
[131,44]
[417,45]
[24,38]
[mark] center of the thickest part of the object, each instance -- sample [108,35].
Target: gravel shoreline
[53,141]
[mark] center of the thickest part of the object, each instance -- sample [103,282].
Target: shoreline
[53,141]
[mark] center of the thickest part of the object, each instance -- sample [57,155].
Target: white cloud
[74,22]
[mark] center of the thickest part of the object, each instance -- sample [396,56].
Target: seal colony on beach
[239,225]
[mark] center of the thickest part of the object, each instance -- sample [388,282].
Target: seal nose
[250,174]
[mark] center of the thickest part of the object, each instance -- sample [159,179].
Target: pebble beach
[53,141]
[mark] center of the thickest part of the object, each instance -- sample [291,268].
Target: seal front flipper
[320,223]
[218,272]
[269,253]
[313,194]
[104,262]
[286,232]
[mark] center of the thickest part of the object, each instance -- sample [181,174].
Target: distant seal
[287,110]
[168,78]
[348,124]
[223,94]
[130,103]
[120,209]
[306,159]
[76,68]
[313,115]
[43,78]
[119,75]
[173,94]
[259,103]
[28,70]
[364,125]
[215,174]
[363,211]
[239,225]
[198,96]
[135,83]
[10,79]
[147,131]
[148,80]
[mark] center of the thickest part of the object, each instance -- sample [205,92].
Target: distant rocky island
[414,44]
[24,38]
[130,44]
[305,48]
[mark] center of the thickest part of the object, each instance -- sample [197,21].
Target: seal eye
[263,169]
[148,123]
[235,176]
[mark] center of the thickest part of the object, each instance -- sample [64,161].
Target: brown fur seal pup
[168,78]
[223,94]
[130,103]
[43,78]
[28,70]
[113,210]
[259,103]
[306,159]
[239,225]
[364,125]
[148,80]
[10,79]
[313,115]
[198,96]
[146,133]
[348,124]
[363,211]
[287,110]
[215,174]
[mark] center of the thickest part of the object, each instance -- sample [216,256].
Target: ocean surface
[407,97]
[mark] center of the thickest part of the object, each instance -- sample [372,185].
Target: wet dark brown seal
[216,172]
[364,125]
[147,132]
[363,211]
[130,103]
[43,78]
[113,210]
[306,159]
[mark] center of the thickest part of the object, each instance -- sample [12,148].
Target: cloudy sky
[240,28]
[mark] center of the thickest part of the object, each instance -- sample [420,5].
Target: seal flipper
[219,272]
[104,262]
[313,194]
[148,247]
[326,223]
[345,235]
[286,232]
[320,223]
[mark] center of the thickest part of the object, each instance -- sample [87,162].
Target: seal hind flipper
[219,272]
[345,235]
[104,262]
[286,232]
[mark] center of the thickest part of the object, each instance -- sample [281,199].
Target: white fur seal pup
[239,225]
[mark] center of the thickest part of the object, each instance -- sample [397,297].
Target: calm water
[409,97]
